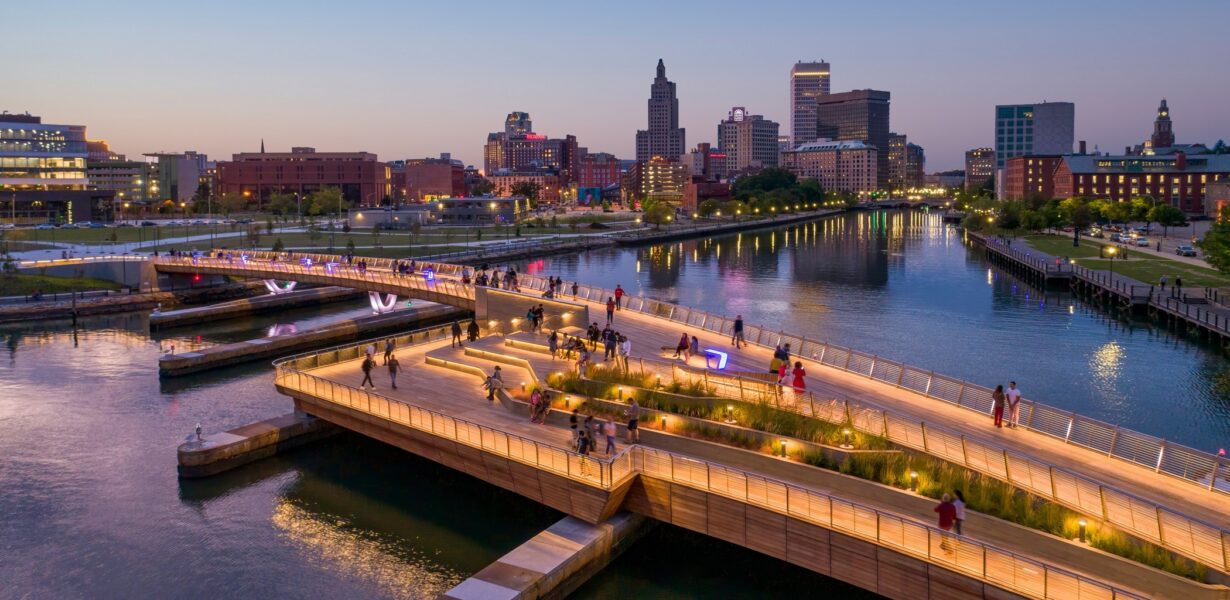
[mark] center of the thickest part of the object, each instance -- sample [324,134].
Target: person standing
[958,505]
[394,366]
[633,412]
[619,296]
[1014,404]
[456,343]
[1178,285]
[473,330]
[799,383]
[997,405]
[389,344]
[1162,281]
[367,365]
[610,310]
[574,425]
[736,336]
[610,430]
[608,344]
[574,290]
[625,350]
[947,517]
[553,343]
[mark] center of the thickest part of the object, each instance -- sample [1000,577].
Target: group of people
[555,287]
[686,348]
[471,333]
[506,280]
[586,433]
[951,511]
[780,366]
[1009,399]
[535,316]
[1178,284]
[390,362]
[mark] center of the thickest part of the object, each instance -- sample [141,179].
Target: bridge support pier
[382,303]
[274,288]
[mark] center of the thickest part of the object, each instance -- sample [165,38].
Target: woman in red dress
[800,385]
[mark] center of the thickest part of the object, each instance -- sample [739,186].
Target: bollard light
[1082,523]
[659,382]
[522,386]
[663,422]
[845,439]
[783,448]
[913,481]
[621,393]
[730,414]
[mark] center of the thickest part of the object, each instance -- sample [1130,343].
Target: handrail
[910,536]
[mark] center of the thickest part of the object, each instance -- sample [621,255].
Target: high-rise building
[664,137]
[518,123]
[915,166]
[747,140]
[896,161]
[178,174]
[43,174]
[979,167]
[808,80]
[658,179]
[839,166]
[518,149]
[860,115]
[1028,129]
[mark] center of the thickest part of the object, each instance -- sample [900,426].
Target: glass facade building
[36,155]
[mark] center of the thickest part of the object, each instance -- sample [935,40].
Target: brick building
[597,170]
[548,184]
[1027,176]
[698,190]
[433,178]
[838,166]
[1177,179]
[362,178]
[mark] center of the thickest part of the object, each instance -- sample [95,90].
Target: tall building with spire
[1163,135]
[664,137]
[808,81]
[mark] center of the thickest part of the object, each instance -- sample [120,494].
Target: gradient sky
[412,79]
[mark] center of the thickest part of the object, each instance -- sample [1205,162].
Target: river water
[90,505]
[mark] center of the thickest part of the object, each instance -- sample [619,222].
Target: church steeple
[1163,135]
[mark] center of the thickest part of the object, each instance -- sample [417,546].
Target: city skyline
[413,84]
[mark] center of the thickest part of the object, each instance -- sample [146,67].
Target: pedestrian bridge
[1170,495]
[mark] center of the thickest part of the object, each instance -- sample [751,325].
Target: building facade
[178,174]
[1176,179]
[361,177]
[43,175]
[1033,129]
[915,166]
[1217,197]
[698,190]
[1031,176]
[548,185]
[747,140]
[433,178]
[979,167]
[705,161]
[838,166]
[664,137]
[657,179]
[134,182]
[860,115]
[518,149]
[808,81]
[598,170]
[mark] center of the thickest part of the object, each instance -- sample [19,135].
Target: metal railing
[1002,568]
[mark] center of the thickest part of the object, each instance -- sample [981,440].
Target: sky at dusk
[413,79]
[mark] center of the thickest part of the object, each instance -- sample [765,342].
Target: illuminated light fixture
[783,448]
[1081,524]
[718,355]
[845,439]
[913,481]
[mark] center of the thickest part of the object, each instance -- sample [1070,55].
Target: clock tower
[1163,136]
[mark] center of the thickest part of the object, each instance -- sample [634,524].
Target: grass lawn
[1144,267]
[122,234]
[23,285]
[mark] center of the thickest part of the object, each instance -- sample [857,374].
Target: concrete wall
[502,311]
[128,273]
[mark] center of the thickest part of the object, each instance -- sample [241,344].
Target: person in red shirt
[947,517]
[610,310]
[619,296]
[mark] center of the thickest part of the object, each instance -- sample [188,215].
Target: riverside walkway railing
[601,473]
[1183,535]
[1003,568]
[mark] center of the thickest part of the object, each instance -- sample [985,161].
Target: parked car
[97,226]
[1185,251]
[148,224]
[1142,241]
[45,226]
[1093,232]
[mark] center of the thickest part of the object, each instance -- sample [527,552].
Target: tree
[481,187]
[1140,208]
[326,201]
[278,246]
[733,208]
[656,212]
[1220,147]
[765,181]
[708,207]
[282,204]
[1009,220]
[529,189]
[1216,242]
[202,194]
[1167,216]
[232,202]
[1117,211]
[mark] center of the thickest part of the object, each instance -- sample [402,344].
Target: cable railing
[1003,568]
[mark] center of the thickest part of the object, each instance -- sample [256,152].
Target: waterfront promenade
[1179,514]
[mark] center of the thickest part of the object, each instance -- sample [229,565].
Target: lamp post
[1111,251]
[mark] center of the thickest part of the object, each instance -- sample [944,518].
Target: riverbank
[79,307]
[654,236]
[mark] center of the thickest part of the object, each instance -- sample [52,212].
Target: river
[91,505]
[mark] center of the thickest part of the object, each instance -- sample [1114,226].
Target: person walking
[625,350]
[958,504]
[997,405]
[1178,285]
[799,383]
[393,366]
[608,344]
[494,382]
[619,297]
[1014,404]
[736,336]
[473,330]
[370,350]
[947,518]
[574,425]
[610,430]
[553,343]
[456,331]
[574,290]
[367,365]
[1162,281]
[633,412]
[610,310]
[389,344]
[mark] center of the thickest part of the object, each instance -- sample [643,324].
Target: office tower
[1033,129]
[979,167]
[808,80]
[747,140]
[664,137]
[43,174]
[860,115]
[518,123]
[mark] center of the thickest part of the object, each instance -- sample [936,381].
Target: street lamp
[1111,251]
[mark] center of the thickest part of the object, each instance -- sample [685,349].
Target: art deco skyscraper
[808,80]
[664,137]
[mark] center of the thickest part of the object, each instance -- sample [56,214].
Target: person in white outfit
[1014,404]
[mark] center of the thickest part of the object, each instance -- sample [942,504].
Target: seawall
[251,306]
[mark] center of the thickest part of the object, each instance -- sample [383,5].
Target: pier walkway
[1174,496]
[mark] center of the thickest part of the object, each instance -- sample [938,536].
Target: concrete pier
[251,306]
[553,563]
[224,451]
[174,365]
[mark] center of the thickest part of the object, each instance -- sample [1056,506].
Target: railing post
[1213,475]
[1161,453]
[1113,438]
